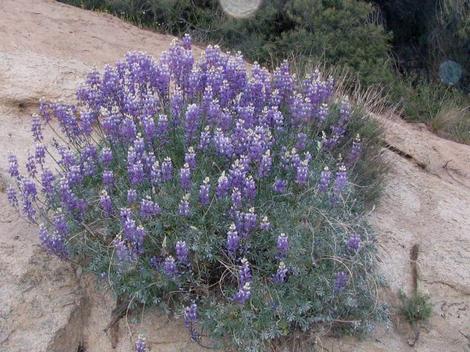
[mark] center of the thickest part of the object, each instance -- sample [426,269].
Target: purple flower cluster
[355,152]
[204,192]
[341,181]
[354,242]
[282,245]
[245,277]
[341,280]
[182,251]
[54,242]
[281,273]
[169,266]
[148,208]
[233,239]
[190,320]
[184,149]
[140,345]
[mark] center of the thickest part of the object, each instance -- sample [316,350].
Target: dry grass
[452,122]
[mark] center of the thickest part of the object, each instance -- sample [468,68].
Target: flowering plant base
[228,195]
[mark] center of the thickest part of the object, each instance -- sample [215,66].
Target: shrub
[196,184]
[416,308]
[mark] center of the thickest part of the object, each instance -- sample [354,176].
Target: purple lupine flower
[13,166]
[245,278]
[265,164]
[222,143]
[341,181]
[128,129]
[354,242]
[12,197]
[40,153]
[182,251]
[31,166]
[301,142]
[282,245]
[322,112]
[190,320]
[124,214]
[265,225]
[186,41]
[162,126]
[184,208]
[236,198]
[136,173]
[108,178]
[106,156]
[74,176]
[29,188]
[176,104]
[325,177]
[243,294]
[139,144]
[105,203]
[355,152]
[68,158]
[28,209]
[301,173]
[341,280]
[294,157]
[280,186]
[36,128]
[185,177]
[137,240]
[149,208]
[140,345]
[281,273]
[191,121]
[47,182]
[156,262]
[131,196]
[156,173]
[167,169]
[233,240]
[249,221]
[190,158]
[205,138]
[148,124]
[204,191]
[169,267]
[124,256]
[223,186]
[190,315]
[60,224]
[245,272]
[129,228]
[53,242]
[249,188]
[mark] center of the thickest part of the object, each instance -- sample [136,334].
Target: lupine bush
[228,194]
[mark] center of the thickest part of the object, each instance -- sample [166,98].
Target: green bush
[416,308]
[337,32]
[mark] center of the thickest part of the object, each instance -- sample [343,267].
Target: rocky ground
[46,48]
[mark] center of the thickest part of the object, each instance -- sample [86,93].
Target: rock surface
[46,48]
